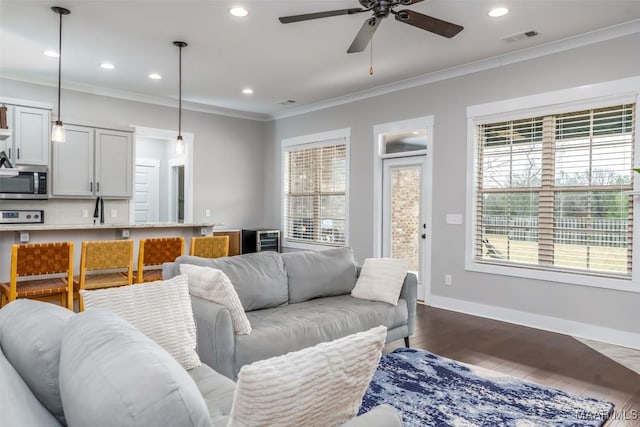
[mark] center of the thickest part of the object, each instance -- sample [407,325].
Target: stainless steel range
[21,217]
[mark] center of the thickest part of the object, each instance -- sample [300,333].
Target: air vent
[520,36]
[287,102]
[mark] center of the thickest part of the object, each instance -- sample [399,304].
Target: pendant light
[179,140]
[57,132]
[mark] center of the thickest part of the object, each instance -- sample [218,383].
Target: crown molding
[139,97]
[609,33]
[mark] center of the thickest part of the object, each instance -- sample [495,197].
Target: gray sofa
[293,300]
[95,369]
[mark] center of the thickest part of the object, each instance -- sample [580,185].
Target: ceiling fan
[381,9]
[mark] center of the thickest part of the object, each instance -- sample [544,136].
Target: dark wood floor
[546,358]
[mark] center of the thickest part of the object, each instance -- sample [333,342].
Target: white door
[404,230]
[147,191]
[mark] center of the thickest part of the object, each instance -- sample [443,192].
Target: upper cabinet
[29,140]
[93,162]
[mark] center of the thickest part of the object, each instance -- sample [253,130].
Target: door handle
[17,149]
[424,235]
[91,186]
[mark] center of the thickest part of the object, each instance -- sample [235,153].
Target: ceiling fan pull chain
[371,67]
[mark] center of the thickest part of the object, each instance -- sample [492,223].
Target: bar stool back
[55,260]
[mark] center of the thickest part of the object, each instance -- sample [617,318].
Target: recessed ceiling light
[238,11]
[155,76]
[107,66]
[51,53]
[247,91]
[498,11]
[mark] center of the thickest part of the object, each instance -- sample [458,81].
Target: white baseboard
[547,323]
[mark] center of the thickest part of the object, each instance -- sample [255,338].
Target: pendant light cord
[180,92]
[59,63]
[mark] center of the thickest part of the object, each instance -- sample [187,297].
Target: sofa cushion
[321,385]
[19,406]
[110,371]
[212,284]
[31,338]
[217,391]
[319,274]
[296,326]
[259,278]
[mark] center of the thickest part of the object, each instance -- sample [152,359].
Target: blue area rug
[430,390]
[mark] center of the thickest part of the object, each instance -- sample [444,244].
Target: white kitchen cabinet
[93,162]
[30,136]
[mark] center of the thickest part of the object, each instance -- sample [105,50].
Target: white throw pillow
[381,279]
[214,285]
[317,386]
[161,310]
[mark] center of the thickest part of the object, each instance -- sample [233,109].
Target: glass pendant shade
[179,145]
[57,132]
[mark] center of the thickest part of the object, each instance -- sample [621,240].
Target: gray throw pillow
[320,274]
[31,339]
[111,374]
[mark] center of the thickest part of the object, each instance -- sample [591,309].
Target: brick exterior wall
[405,215]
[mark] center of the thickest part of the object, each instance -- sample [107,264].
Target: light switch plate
[454,219]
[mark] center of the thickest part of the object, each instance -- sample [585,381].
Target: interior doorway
[176,191]
[402,196]
[173,186]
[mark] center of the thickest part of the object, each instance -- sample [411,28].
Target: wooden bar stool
[109,258]
[37,259]
[210,246]
[153,253]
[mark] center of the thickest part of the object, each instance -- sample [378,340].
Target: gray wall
[447,101]
[228,152]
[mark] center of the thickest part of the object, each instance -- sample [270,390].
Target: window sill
[559,277]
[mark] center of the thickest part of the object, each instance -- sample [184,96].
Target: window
[315,190]
[552,191]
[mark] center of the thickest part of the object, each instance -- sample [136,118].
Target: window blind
[315,193]
[552,192]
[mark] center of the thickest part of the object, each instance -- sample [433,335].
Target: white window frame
[312,140]
[562,101]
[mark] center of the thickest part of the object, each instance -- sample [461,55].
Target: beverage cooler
[258,240]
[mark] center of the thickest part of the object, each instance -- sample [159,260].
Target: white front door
[404,230]
[147,191]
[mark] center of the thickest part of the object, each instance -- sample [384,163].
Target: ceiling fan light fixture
[57,131]
[498,12]
[238,11]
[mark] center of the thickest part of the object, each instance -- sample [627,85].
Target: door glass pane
[405,215]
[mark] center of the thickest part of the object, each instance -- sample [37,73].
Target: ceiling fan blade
[364,35]
[408,2]
[428,23]
[327,14]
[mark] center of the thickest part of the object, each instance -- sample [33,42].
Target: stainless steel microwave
[24,182]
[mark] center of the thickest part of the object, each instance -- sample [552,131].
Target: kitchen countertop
[46,227]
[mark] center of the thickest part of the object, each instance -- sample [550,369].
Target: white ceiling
[306,62]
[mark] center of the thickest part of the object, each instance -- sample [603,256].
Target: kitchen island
[77,233]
